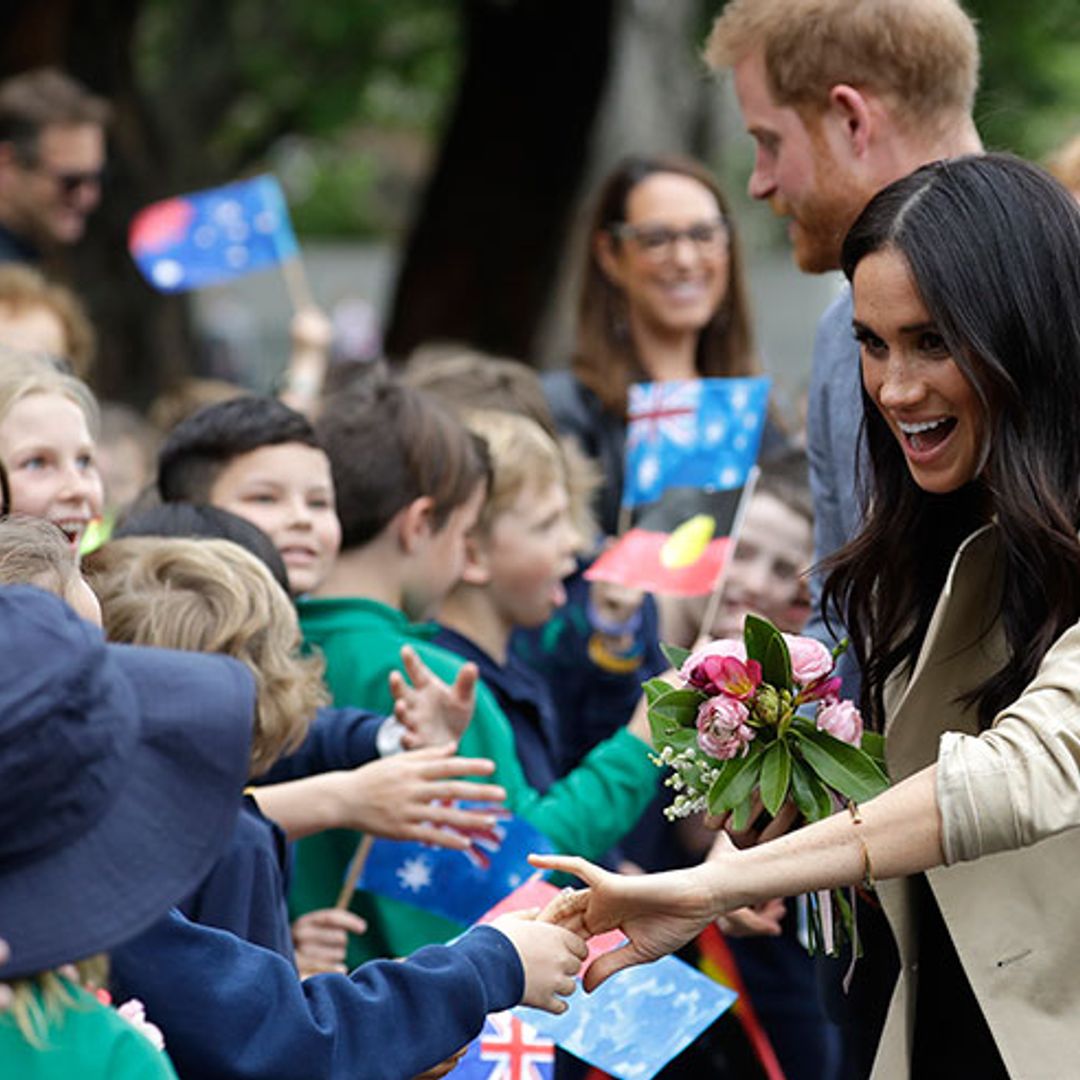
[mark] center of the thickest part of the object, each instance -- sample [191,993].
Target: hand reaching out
[409,797]
[432,712]
[658,913]
[550,955]
[320,939]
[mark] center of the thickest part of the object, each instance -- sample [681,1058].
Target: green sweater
[585,813]
[87,1040]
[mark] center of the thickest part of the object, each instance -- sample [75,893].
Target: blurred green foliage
[342,99]
[345,99]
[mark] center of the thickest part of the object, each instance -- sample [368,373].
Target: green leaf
[668,733]
[809,793]
[873,743]
[675,655]
[740,817]
[736,781]
[775,776]
[679,706]
[655,688]
[843,767]
[766,645]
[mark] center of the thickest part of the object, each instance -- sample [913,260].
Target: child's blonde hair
[34,551]
[24,375]
[523,456]
[213,596]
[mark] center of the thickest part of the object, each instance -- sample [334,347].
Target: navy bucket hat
[121,770]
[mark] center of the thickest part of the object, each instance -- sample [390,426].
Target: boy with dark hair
[412,482]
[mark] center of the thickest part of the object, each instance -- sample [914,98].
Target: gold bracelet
[868,868]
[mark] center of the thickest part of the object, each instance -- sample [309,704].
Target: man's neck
[469,611]
[365,572]
[906,154]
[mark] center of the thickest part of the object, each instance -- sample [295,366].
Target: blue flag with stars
[632,1025]
[693,433]
[459,885]
[212,236]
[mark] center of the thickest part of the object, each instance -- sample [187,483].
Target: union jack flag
[483,843]
[507,1049]
[666,410]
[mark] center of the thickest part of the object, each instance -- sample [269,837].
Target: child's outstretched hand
[432,712]
[320,939]
[550,955]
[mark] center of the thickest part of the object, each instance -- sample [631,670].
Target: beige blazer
[1014,916]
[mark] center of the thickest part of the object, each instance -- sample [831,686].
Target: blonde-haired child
[48,428]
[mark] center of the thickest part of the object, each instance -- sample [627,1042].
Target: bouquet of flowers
[757,722]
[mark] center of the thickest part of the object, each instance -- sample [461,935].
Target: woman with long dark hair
[962,595]
[663,297]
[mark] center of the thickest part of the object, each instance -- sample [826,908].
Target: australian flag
[459,885]
[635,1023]
[507,1049]
[212,236]
[695,433]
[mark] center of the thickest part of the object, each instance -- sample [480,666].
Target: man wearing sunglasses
[52,154]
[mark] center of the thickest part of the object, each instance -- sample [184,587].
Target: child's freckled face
[46,446]
[287,491]
[529,550]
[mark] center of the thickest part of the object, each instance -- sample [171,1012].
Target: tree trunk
[487,240]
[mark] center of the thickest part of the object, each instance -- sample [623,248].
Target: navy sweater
[234,1011]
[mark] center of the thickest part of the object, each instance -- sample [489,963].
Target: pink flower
[842,720]
[810,660]
[134,1013]
[721,667]
[827,690]
[722,729]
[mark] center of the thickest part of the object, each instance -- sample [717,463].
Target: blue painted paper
[212,236]
[639,1020]
[459,885]
[695,433]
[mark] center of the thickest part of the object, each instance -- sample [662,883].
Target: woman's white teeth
[918,429]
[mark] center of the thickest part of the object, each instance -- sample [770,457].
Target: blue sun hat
[121,770]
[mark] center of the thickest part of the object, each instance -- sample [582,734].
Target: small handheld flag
[212,236]
[459,885]
[507,1049]
[690,448]
[693,433]
[632,1025]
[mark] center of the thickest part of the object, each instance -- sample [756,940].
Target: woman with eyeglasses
[663,298]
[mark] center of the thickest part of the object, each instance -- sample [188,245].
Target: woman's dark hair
[606,360]
[993,244]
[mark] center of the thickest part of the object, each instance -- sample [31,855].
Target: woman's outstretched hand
[658,913]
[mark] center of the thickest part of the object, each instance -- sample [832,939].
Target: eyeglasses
[70,182]
[657,242]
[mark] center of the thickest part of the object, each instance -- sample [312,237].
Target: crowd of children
[398,582]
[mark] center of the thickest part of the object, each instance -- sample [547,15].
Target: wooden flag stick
[296,282]
[713,606]
[356,868]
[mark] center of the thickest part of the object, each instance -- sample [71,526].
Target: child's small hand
[550,955]
[432,712]
[412,796]
[320,939]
